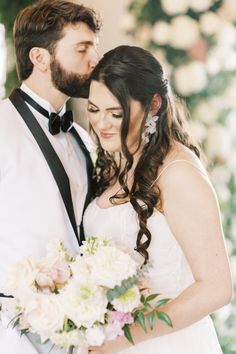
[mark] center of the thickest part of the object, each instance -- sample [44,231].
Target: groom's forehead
[79,32]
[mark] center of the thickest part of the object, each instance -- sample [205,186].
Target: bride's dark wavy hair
[131,72]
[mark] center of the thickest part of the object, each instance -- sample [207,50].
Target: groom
[45,168]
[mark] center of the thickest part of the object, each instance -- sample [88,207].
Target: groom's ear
[40,58]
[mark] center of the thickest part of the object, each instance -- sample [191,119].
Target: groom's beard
[72,85]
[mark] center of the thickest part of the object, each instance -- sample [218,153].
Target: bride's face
[105,115]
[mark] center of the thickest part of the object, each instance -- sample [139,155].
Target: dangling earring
[150,128]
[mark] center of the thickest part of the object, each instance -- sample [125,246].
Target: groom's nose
[94,57]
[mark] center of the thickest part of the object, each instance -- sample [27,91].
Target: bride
[154,196]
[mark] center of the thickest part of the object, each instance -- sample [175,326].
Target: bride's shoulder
[181,163]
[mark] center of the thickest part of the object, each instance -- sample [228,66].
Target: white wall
[112,12]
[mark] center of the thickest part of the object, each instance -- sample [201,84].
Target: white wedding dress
[169,276]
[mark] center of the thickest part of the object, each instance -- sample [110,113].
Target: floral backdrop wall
[195,40]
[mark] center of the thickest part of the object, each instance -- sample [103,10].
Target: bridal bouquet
[81,301]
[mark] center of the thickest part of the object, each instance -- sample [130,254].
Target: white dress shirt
[67,150]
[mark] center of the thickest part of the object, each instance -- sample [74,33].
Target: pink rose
[61,272]
[122,317]
[44,279]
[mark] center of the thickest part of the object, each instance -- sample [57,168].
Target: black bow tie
[55,122]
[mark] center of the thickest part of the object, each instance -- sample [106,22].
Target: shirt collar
[41,101]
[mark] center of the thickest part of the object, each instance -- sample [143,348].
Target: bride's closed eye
[92,109]
[117,115]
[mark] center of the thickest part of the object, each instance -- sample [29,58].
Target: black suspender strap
[49,153]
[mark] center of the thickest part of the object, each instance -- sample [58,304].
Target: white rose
[210,23]
[200,5]
[220,175]
[226,36]
[45,315]
[160,32]
[184,32]
[190,78]
[223,193]
[95,336]
[230,62]
[67,339]
[20,279]
[80,270]
[207,111]
[109,266]
[228,10]
[173,7]
[219,143]
[198,130]
[128,301]
[55,252]
[84,303]
[213,65]
[229,96]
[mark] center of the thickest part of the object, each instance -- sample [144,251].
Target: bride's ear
[155,104]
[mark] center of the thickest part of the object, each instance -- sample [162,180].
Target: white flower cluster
[64,298]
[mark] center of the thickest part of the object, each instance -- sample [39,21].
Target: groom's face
[74,58]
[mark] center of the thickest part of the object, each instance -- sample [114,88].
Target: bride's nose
[104,122]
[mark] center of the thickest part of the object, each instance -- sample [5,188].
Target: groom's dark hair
[42,24]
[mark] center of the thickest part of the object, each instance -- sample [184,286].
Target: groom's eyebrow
[85,43]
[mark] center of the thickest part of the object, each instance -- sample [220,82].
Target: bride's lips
[105,135]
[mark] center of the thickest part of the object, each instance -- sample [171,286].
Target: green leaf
[142,299]
[160,303]
[151,297]
[151,318]
[142,320]
[127,333]
[163,317]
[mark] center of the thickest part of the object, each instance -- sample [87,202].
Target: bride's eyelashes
[92,109]
[117,115]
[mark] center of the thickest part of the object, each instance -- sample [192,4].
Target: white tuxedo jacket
[31,208]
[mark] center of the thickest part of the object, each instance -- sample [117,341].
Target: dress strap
[173,162]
